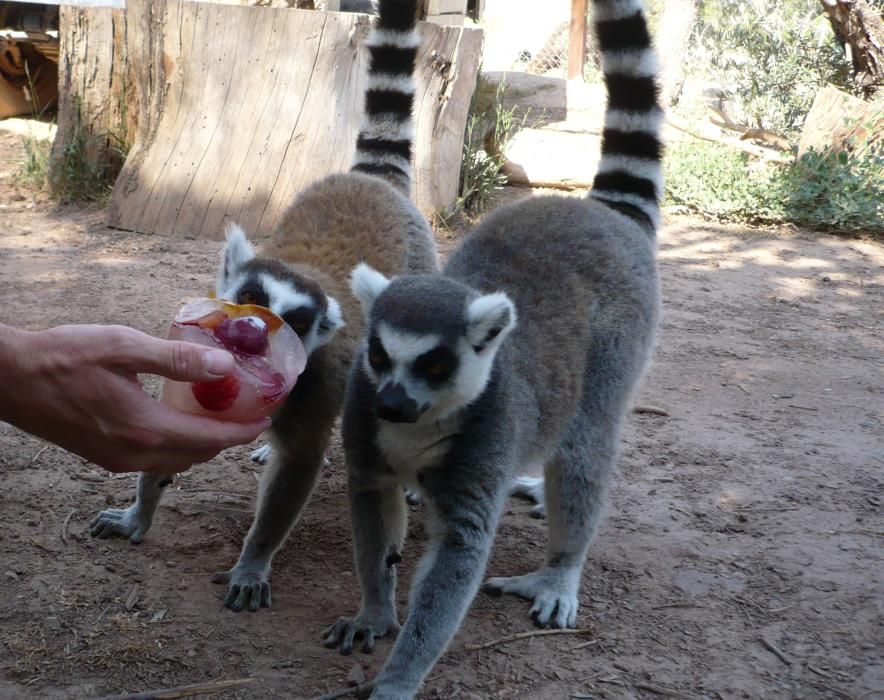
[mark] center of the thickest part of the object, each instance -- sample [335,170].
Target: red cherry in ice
[247,334]
[218,395]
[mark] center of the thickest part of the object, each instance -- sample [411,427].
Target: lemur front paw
[553,591]
[121,522]
[262,454]
[248,589]
[365,626]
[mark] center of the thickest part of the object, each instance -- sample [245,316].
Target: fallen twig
[819,671]
[39,452]
[677,605]
[523,635]
[655,410]
[779,654]
[185,691]
[584,645]
[64,526]
[656,689]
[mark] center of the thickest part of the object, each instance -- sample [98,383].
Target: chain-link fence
[524,39]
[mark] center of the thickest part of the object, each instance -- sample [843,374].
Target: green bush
[78,173]
[832,191]
[34,167]
[773,56]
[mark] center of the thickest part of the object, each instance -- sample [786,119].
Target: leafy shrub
[832,191]
[841,191]
[773,56]
[76,174]
[34,167]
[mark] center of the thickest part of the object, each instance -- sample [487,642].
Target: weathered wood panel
[837,118]
[249,105]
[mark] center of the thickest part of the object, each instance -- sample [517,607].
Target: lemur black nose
[393,404]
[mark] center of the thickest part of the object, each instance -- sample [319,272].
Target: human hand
[77,386]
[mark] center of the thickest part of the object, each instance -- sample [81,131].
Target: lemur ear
[236,252]
[490,319]
[331,321]
[367,285]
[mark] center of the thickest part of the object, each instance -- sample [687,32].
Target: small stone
[11,575]
[356,676]
[742,518]
[53,623]
[132,598]
[191,653]
[171,564]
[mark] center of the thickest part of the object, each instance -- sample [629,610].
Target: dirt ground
[741,555]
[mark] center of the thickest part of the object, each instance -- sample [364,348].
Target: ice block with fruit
[269,357]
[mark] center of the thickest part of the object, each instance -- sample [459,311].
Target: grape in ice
[247,334]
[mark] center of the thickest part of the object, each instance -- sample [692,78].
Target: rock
[356,676]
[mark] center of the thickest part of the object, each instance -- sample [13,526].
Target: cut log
[94,102]
[838,121]
[234,109]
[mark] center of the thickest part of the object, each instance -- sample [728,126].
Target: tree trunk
[860,28]
[673,37]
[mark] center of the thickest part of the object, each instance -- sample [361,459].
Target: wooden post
[577,40]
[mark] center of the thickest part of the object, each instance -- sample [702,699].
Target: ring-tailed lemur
[333,225]
[450,395]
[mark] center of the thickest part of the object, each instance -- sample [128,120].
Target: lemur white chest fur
[411,447]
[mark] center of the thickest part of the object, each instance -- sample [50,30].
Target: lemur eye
[301,319]
[437,365]
[377,356]
[247,298]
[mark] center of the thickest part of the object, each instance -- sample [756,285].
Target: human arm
[77,386]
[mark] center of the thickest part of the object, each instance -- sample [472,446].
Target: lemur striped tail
[384,144]
[629,176]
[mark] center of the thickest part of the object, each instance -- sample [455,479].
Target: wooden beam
[577,40]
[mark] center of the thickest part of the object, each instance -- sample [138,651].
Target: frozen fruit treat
[269,357]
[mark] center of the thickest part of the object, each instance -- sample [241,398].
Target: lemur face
[431,343]
[244,278]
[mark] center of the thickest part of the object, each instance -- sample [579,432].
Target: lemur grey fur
[365,215]
[450,395]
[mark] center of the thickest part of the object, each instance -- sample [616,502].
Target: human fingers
[173,359]
[184,431]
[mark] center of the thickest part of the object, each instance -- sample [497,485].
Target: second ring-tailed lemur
[342,220]
[526,350]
